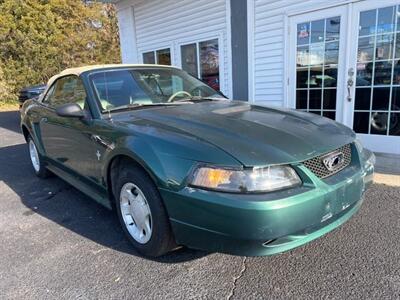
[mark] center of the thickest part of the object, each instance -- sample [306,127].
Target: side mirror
[70,110]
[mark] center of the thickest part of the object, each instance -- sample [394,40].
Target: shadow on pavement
[59,202]
[10,120]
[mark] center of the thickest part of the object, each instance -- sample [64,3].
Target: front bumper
[256,225]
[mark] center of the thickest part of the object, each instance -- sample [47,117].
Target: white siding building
[336,58]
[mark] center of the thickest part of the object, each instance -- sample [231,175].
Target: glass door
[318,48]
[375,61]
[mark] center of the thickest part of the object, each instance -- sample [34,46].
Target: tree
[5,88]
[39,38]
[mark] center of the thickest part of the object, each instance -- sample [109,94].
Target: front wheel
[142,213]
[37,163]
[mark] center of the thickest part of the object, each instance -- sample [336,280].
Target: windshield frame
[106,111]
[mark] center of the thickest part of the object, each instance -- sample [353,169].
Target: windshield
[130,87]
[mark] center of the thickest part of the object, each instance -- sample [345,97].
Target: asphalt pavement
[56,243]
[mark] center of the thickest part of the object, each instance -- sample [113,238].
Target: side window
[65,90]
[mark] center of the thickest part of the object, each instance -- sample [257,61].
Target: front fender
[167,171]
[29,117]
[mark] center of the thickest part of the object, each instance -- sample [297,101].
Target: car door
[68,142]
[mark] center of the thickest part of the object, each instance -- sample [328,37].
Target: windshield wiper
[137,105]
[198,98]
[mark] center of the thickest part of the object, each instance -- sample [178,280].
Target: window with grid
[377,97]
[317,66]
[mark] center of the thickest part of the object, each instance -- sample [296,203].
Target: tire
[141,212]
[36,160]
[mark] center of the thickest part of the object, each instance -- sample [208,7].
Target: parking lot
[57,243]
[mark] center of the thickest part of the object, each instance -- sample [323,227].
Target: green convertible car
[184,166]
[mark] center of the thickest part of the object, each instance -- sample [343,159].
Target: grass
[9,105]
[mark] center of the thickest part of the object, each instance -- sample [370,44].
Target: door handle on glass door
[350,83]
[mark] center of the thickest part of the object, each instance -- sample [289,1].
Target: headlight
[241,181]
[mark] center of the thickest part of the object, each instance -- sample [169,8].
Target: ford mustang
[184,166]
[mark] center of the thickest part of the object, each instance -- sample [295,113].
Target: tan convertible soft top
[79,70]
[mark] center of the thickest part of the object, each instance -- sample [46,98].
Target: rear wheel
[37,163]
[141,212]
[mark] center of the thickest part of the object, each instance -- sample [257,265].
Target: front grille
[317,166]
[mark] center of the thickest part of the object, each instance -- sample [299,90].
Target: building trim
[229,49]
[239,49]
[250,49]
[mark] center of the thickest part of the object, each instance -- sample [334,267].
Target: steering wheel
[173,96]
[197,88]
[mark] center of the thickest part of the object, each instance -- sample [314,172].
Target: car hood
[254,135]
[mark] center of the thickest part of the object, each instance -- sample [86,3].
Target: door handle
[44,120]
[350,83]
[102,142]
[95,138]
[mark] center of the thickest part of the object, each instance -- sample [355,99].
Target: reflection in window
[362,99]
[394,124]
[317,60]
[189,59]
[396,72]
[367,22]
[303,56]
[397,49]
[376,108]
[164,57]
[209,63]
[161,57]
[380,99]
[396,99]
[149,58]
[331,53]
[384,47]
[379,122]
[365,49]
[317,31]
[332,29]
[386,19]
[303,34]
[383,73]
[66,90]
[202,60]
[364,74]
